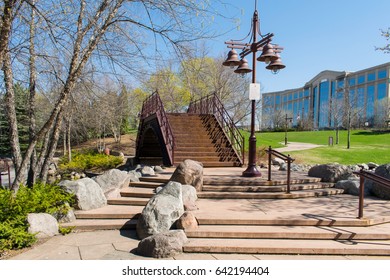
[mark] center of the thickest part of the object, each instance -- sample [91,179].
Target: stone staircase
[193,140]
[253,216]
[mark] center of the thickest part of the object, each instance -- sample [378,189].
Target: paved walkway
[296,146]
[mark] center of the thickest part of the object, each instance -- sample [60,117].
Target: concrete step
[137,192]
[269,195]
[377,232]
[303,247]
[279,179]
[146,185]
[102,224]
[110,212]
[160,180]
[279,188]
[136,201]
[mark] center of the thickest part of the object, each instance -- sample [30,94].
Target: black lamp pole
[270,55]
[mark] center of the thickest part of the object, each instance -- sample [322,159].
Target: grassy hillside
[366,146]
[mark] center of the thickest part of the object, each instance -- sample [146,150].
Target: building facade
[331,99]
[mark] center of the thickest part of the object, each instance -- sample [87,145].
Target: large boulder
[162,245]
[330,172]
[89,195]
[377,189]
[112,181]
[189,198]
[187,221]
[189,172]
[162,211]
[42,224]
[352,186]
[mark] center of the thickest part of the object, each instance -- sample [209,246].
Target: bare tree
[81,33]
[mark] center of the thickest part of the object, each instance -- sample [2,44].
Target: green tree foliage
[15,207]
[21,104]
[174,96]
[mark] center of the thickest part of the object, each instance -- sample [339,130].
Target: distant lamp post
[287,120]
[269,55]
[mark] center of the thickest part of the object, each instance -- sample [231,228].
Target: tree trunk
[11,111]
[32,90]
[53,145]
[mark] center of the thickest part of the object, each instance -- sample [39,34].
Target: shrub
[15,207]
[82,161]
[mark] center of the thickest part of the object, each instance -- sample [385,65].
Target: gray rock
[158,189]
[163,245]
[187,221]
[42,224]
[352,187]
[189,172]
[377,189]
[372,165]
[277,161]
[65,218]
[162,211]
[112,181]
[330,172]
[89,195]
[134,176]
[189,198]
[363,166]
[147,171]
[158,169]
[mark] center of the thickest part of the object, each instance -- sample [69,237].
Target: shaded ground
[126,145]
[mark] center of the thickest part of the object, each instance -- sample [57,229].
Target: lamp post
[269,55]
[287,119]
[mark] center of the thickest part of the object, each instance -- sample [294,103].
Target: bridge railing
[154,106]
[211,104]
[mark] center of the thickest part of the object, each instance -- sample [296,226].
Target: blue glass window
[361,79]
[371,77]
[307,92]
[324,105]
[360,98]
[277,100]
[370,102]
[351,82]
[382,91]
[315,107]
[382,74]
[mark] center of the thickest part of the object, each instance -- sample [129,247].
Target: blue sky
[316,35]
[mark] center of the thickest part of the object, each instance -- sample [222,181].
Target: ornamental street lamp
[269,55]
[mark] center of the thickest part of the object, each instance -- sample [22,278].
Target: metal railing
[373,177]
[284,157]
[5,169]
[212,105]
[154,106]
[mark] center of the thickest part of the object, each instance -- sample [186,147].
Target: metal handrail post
[288,174]
[269,162]
[361,197]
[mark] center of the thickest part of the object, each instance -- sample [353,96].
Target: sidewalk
[120,244]
[296,146]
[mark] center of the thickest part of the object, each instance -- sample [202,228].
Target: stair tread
[377,232]
[270,246]
[271,195]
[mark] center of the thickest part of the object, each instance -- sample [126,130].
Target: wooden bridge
[205,133]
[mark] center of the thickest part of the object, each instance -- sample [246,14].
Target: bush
[14,209]
[82,161]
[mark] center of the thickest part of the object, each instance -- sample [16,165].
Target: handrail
[211,104]
[153,105]
[287,159]
[373,177]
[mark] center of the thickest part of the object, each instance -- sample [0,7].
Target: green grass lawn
[366,146]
